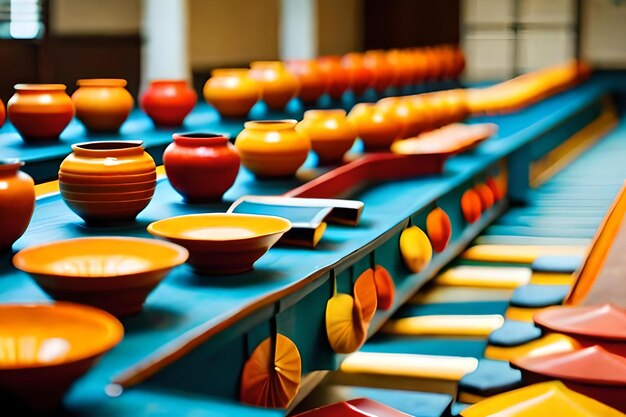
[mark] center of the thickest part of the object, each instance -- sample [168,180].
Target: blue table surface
[184,302]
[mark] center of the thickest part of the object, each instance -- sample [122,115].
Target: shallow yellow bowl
[222,243]
[44,348]
[113,273]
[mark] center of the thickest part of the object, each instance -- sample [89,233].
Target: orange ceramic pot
[419,65]
[433,66]
[378,128]
[402,65]
[313,81]
[168,102]
[232,91]
[459,62]
[409,116]
[360,77]
[424,109]
[102,104]
[2,113]
[278,85]
[272,148]
[339,76]
[40,112]
[330,133]
[17,201]
[122,162]
[201,166]
[383,73]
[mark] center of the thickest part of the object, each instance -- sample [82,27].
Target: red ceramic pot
[2,113]
[168,102]
[201,166]
[40,111]
[17,201]
[339,76]
[313,81]
[360,77]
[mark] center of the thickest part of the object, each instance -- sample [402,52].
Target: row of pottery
[40,112]
[234,91]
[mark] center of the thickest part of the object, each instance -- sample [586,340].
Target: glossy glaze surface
[232,91]
[278,85]
[168,102]
[330,133]
[102,104]
[40,112]
[17,202]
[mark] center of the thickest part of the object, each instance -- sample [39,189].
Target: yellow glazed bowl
[44,348]
[112,273]
[272,148]
[222,243]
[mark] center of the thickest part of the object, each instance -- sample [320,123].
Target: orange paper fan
[385,288]
[345,327]
[272,379]
[415,248]
[366,295]
[439,229]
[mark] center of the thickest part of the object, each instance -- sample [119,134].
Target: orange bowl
[222,243]
[107,212]
[106,179]
[103,197]
[107,188]
[113,273]
[46,347]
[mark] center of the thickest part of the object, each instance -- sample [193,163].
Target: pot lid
[547,399]
[603,321]
[593,365]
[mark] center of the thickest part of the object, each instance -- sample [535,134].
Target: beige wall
[604,32]
[340,26]
[95,17]
[232,32]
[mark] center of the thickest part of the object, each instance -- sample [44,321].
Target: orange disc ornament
[471,206]
[271,379]
[366,295]
[439,229]
[486,196]
[385,288]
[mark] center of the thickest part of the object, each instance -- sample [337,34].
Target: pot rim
[102,82]
[232,71]
[325,113]
[108,148]
[199,139]
[10,164]
[281,124]
[163,81]
[39,87]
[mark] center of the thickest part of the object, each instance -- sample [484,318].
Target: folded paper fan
[547,399]
[439,229]
[271,375]
[365,294]
[415,248]
[385,288]
[345,327]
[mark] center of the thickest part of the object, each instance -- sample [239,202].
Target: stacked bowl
[107,182]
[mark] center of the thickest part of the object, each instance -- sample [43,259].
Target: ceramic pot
[377,127]
[201,166]
[17,201]
[313,81]
[419,64]
[278,86]
[459,62]
[272,148]
[101,163]
[409,116]
[330,133]
[402,66]
[433,64]
[383,73]
[168,102]
[338,75]
[40,112]
[102,104]
[2,113]
[232,91]
[360,77]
